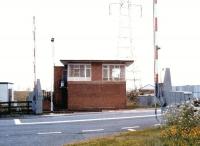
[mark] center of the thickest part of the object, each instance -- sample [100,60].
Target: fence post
[9,107]
[28,107]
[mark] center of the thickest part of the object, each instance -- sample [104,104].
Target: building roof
[127,62]
[6,83]
[148,87]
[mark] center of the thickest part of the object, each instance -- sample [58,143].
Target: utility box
[6,92]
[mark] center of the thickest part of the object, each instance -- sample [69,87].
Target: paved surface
[58,129]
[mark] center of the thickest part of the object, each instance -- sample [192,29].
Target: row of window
[82,72]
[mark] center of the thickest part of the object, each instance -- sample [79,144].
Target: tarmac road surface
[59,129]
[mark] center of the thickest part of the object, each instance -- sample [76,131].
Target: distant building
[6,92]
[194,89]
[90,84]
[147,90]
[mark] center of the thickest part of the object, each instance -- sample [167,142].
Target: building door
[64,89]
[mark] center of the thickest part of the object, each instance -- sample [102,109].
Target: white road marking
[68,114]
[17,121]
[55,115]
[85,120]
[155,125]
[130,127]
[43,133]
[92,130]
[131,111]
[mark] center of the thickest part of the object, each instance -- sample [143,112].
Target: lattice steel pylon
[125,49]
[125,38]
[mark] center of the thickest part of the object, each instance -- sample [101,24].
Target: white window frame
[85,78]
[112,78]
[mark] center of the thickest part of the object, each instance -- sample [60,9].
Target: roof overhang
[127,62]
[6,83]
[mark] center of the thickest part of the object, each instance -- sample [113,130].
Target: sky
[83,29]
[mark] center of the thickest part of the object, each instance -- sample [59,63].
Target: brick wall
[96,95]
[96,71]
[46,105]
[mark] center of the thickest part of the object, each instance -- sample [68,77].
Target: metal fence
[177,97]
[147,101]
[194,89]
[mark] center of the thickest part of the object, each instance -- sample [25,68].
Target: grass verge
[148,137]
[137,138]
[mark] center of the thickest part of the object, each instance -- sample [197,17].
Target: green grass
[137,138]
[148,137]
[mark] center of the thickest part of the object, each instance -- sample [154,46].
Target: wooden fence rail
[15,107]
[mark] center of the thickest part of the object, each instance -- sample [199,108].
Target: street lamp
[53,65]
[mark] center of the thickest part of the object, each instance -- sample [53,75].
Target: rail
[15,107]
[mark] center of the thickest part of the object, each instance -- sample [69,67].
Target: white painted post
[53,65]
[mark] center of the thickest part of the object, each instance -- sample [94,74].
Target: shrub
[182,122]
[132,96]
[182,116]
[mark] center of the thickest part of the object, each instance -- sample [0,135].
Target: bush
[182,116]
[132,96]
[182,123]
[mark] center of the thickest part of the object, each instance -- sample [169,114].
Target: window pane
[76,66]
[88,72]
[116,66]
[76,73]
[82,71]
[116,73]
[79,72]
[88,66]
[71,70]
[74,70]
[105,74]
[105,66]
[122,72]
[111,70]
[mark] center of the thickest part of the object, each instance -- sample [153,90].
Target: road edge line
[17,122]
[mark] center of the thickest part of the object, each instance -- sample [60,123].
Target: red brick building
[90,84]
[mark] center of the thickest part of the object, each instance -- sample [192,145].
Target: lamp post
[53,65]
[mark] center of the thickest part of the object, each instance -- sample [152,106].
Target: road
[59,129]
